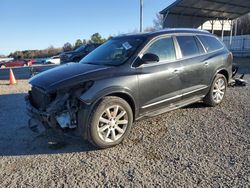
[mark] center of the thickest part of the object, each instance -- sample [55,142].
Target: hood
[69,75]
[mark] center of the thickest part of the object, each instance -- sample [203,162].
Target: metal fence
[240,45]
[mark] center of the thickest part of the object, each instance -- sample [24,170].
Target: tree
[84,41]
[97,38]
[67,47]
[78,43]
[110,37]
[158,22]
[149,29]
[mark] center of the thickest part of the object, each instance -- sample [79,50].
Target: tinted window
[188,45]
[163,48]
[81,48]
[201,49]
[90,48]
[210,43]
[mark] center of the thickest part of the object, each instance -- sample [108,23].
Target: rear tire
[217,91]
[110,122]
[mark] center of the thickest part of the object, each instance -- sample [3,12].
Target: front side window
[188,46]
[163,48]
[114,52]
[210,43]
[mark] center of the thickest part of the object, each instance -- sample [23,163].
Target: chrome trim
[162,101]
[195,90]
[173,35]
[175,97]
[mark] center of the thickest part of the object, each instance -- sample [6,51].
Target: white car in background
[53,60]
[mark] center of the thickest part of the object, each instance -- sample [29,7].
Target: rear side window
[188,46]
[163,48]
[210,43]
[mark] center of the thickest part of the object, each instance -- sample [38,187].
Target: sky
[37,24]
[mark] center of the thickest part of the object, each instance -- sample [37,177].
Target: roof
[164,31]
[209,9]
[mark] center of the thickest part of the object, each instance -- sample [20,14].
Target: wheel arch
[225,73]
[91,103]
[127,98]
[117,92]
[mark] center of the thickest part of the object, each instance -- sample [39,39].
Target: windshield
[114,52]
[81,48]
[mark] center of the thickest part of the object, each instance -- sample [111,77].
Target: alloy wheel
[112,123]
[219,90]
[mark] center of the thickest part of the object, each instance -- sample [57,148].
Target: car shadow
[196,105]
[17,139]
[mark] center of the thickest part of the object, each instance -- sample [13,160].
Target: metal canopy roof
[209,9]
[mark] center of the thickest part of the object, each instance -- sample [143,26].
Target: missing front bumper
[44,118]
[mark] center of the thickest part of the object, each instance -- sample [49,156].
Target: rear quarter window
[210,43]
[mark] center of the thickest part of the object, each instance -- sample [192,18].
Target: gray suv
[130,77]
[77,54]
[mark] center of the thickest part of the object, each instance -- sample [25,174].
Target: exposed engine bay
[58,109]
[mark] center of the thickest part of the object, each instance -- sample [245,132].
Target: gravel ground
[196,146]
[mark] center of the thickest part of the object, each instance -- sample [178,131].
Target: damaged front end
[57,109]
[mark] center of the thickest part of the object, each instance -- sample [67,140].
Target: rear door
[193,73]
[159,83]
[214,57]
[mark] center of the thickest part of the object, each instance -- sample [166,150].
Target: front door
[159,83]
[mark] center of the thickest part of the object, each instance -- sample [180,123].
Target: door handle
[206,63]
[176,70]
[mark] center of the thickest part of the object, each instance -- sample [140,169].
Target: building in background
[218,17]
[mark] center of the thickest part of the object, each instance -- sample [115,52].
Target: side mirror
[150,58]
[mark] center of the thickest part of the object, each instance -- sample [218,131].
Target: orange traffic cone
[12,78]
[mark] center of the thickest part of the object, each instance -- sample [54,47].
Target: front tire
[217,91]
[110,122]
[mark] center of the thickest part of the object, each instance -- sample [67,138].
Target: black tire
[209,98]
[76,59]
[94,135]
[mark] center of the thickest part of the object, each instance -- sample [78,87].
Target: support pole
[231,33]
[141,15]
[222,30]
[212,26]
[164,20]
[236,27]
